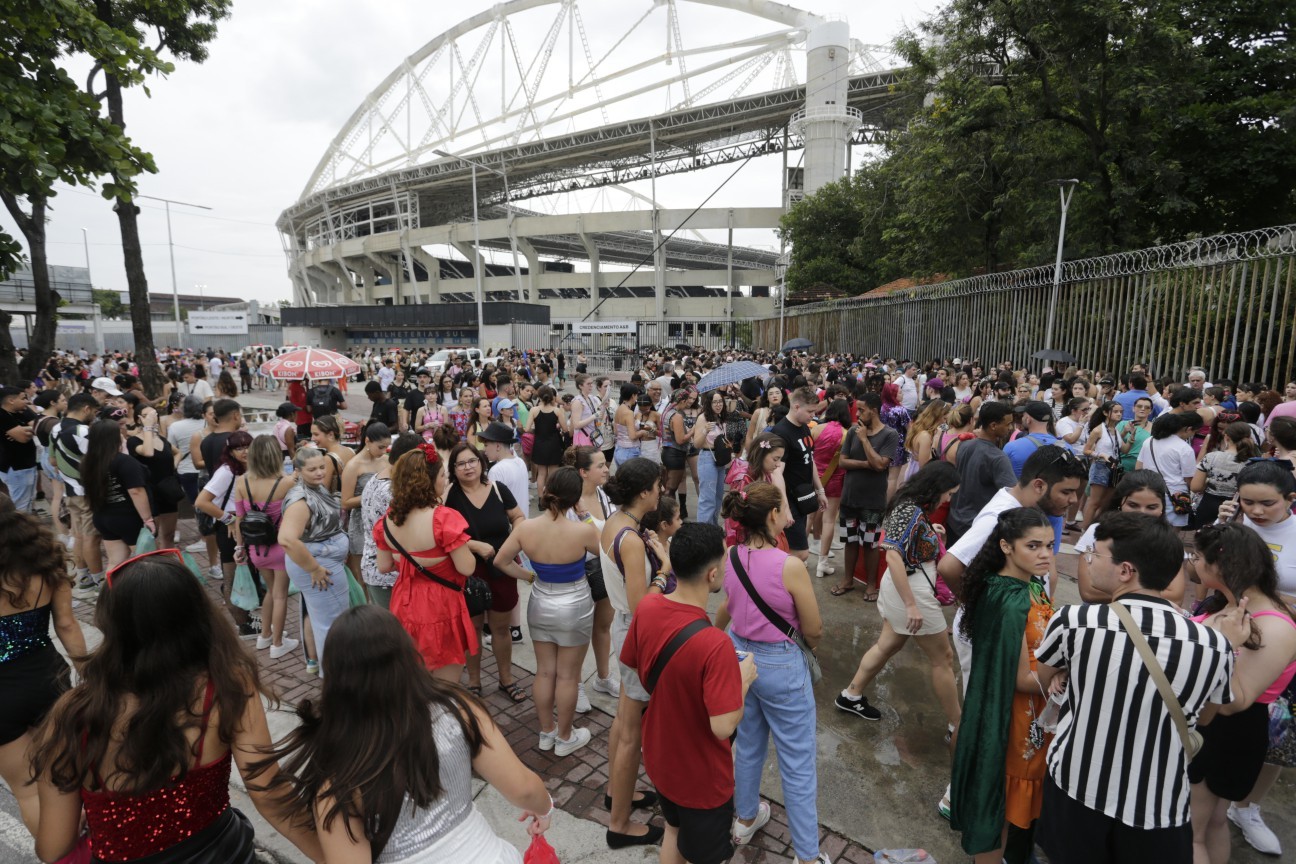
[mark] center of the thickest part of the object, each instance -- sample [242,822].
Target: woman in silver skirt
[560,613]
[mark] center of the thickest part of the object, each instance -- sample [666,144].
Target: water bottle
[903,856]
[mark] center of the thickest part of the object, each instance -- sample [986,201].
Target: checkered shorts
[863,527]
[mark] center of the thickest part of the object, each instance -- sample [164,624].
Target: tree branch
[11,204]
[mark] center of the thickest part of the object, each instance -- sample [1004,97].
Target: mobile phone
[1237,507]
[742,655]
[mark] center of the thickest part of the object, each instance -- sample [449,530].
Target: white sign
[218,323]
[585,327]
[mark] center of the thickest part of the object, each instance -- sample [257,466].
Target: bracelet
[658,582]
[551,810]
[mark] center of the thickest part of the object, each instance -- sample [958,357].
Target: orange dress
[1025,762]
[434,616]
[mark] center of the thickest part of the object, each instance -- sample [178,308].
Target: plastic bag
[243,593]
[146,542]
[192,565]
[540,852]
[355,591]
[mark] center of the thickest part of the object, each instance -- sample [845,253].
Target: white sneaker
[610,685]
[1254,830]
[823,568]
[838,543]
[264,642]
[832,554]
[277,651]
[547,739]
[582,701]
[216,573]
[200,546]
[821,858]
[580,737]
[742,834]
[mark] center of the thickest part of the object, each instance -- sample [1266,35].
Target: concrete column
[729,274]
[826,126]
[659,268]
[534,268]
[475,257]
[97,318]
[433,267]
[591,250]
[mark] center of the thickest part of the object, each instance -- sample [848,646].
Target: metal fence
[1225,303]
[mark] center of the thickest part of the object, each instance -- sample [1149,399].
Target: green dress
[977,787]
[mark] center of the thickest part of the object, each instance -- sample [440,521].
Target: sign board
[218,323]
[585,327]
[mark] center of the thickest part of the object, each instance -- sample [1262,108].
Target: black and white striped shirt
[1117,750]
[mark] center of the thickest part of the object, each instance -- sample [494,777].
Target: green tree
[183,29]
[50,131]
[109,302]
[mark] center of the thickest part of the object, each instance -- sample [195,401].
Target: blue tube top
[24,633]
[560,573]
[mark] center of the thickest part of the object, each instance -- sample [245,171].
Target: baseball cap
[497,432]
[1038,410]
[506,403]
[107,385]
[1105,381]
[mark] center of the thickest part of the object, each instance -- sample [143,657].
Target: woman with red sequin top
[144,744]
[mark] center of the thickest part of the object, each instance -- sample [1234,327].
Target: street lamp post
[1065,188]
[478,264]
[175,290]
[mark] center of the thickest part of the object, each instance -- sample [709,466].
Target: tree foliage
[50,132]
[1176,118]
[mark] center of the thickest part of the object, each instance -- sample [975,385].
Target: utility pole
[1065,188]
[175,290]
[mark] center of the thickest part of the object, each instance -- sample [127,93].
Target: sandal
[514,692]
[871,595]
[474,689]
[839,590]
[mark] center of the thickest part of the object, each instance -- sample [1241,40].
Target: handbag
[476,592]
[1191,738]
[721,452]
[805,500]
[812,662]
[1180,502]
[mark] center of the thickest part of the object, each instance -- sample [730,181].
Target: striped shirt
[1117,750]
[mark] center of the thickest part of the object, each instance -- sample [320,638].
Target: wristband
[658,582]
[551,810]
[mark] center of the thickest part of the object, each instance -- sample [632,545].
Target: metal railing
[1225,303]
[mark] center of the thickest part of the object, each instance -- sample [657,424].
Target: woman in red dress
[428,544]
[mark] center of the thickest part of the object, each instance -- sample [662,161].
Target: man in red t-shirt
[695,704]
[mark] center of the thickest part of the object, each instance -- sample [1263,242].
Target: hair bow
[430,453]
[764,445]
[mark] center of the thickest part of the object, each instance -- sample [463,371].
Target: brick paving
[577,782]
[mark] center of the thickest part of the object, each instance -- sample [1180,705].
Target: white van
[437,363]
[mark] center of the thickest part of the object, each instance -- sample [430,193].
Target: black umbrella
[1054,354]
[683,346]
[797,344]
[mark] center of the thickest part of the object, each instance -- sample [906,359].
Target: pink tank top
[1284,678]
[765,570]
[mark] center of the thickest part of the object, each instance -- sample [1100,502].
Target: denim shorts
[1099,473]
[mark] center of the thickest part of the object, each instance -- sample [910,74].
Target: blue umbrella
[797,344]
[731,373]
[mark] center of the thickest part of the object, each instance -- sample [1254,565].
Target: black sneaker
[859,707]
[516,633]
[248,630]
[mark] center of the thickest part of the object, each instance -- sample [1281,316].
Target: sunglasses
[176,553]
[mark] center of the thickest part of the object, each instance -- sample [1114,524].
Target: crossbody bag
[812,662]
[475,591]
[1191,738]
[1180,502]
[672,647]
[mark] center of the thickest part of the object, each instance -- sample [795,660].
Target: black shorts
[29,686]
[504,588]
[1233,752]
[225,543]
[673,458]
[705,836]
[1071,833]
[167,495]
[119,524]
[798,540]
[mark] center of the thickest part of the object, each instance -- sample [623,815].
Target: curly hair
[991,560]
[42,555]
[1244,562]
[929,418]
[413,485]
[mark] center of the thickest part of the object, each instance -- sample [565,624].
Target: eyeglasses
[179,556]
[1092,554]
[467,463]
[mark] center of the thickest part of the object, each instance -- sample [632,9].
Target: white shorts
[893,608]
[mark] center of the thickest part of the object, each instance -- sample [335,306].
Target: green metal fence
[1225,303]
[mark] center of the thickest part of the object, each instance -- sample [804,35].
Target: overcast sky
[242,133]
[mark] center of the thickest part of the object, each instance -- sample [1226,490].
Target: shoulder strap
[945,449]
[677,642]
[773,617]
[1155,671]
[1031,438]
[445,583]
[270,497]
[616,549]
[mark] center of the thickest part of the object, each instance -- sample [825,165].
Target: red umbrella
[314,363]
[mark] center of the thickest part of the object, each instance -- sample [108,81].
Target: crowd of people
[1133,725]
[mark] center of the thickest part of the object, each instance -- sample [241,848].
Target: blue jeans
[22,487]
[710,486]
[323,604]
[624,454]
[780,703]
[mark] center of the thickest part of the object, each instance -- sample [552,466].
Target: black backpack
[321,400]
[259,527]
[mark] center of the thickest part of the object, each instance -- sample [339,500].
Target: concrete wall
[117,336]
